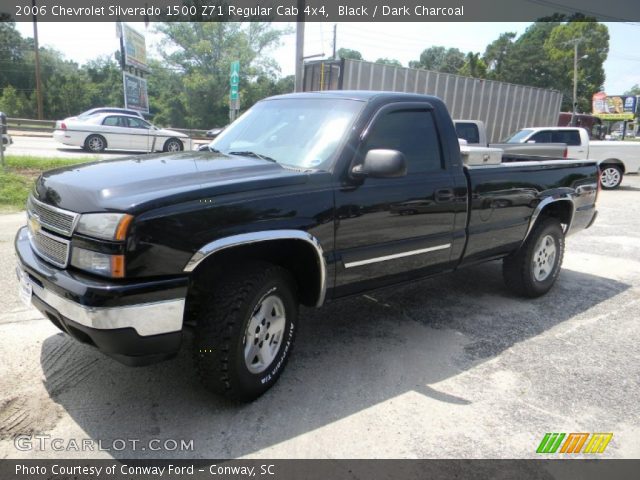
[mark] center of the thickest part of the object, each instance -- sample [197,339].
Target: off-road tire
[222,320]
[518,268]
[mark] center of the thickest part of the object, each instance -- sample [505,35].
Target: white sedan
[119,132]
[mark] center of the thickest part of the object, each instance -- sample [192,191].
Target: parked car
[298,202]
[119,132]
[96,111]
[615,158]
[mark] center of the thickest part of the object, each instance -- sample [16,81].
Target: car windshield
[302,133]
[518,137]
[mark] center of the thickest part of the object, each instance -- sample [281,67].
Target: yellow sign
[135,48]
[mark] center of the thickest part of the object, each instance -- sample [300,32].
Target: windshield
[302,132]
[518,137]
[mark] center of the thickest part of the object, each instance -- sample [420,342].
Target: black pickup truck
[306,198]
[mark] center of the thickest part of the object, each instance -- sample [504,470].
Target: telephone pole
[335,31]
[299,47]
[37,58]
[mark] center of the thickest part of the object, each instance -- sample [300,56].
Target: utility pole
[335,31]
[575,42]
[299,47]
[37,55]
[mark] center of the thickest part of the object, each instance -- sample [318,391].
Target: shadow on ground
[350,355]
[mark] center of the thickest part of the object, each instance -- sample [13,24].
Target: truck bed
[504,197]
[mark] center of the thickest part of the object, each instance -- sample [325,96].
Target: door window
[542,137]
[412,132]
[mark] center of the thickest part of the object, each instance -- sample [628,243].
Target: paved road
[47,147]
[449,367]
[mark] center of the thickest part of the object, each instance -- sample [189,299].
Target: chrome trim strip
[396,255]
[264,236]
[145,318]
[74,222]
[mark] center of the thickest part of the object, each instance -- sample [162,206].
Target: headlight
[107,226]
[98,263]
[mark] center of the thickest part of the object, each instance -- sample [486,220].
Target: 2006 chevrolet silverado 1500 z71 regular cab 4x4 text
[304,199]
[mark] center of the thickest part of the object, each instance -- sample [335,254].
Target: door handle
[444,195]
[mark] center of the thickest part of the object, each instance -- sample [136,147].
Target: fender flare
[264,236]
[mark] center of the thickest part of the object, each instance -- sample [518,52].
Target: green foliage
[635,90]
[349,54]
[474,66]
[389,61]
[441,59]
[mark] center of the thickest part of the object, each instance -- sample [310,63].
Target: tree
[202,54]
[389,61]
[635,90]
[349,54]
[474,66]
[496,53]
[440,59]
[593,48]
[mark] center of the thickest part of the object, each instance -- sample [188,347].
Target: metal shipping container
[503,107]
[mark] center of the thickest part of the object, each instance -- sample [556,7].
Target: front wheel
[532,270]
[173,145]
[610,176]
[245,331]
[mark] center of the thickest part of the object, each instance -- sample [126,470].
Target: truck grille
[52,218]
[42,217]
[51,248]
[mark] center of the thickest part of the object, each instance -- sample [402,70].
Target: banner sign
[135,93]
[135,48]
[614,107]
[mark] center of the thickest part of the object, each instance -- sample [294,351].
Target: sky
[81,42]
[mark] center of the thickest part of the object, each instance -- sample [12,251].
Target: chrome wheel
[610,177]
[544,258]
[173,146]
[263,336]
[95,144]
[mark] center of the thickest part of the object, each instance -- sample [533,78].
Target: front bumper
[135,322]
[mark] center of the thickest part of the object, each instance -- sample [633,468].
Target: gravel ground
[452,367]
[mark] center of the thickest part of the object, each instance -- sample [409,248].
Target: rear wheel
[610,176]
[95,143]
[245,331]
[533,269]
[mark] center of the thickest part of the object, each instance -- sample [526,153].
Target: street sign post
[234,90]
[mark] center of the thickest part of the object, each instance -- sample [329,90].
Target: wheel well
[612,161]
[297,256]
[173,138]
[562,210]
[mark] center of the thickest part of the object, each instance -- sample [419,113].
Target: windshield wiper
[254,155]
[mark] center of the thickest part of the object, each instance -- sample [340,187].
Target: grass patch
[16,181]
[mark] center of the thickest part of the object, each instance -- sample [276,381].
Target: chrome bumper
[145,318]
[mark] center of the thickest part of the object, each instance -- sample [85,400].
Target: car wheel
[245,331]
[95,143]
[532,270]
[610,176]
[173,145]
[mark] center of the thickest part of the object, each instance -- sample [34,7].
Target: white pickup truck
[615,158]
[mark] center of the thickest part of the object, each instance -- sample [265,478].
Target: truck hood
[136,184]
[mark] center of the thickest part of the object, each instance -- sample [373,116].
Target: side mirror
[381,163]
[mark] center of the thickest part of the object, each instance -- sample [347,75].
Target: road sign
[234,85]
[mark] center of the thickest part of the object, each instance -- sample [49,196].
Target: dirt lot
[449,367]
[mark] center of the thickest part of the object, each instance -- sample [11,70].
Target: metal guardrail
[47,126]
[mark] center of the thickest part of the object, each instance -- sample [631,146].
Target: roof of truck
[362,95]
